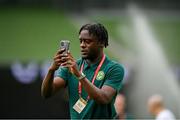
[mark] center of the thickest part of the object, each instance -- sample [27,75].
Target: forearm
[47,84]
[94,92]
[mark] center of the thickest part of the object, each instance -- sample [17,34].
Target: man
[156,107]
[92,81]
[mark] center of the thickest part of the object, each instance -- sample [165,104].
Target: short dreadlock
[97,30]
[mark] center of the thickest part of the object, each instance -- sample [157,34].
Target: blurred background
[144,36]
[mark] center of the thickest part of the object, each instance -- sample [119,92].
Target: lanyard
[94,77]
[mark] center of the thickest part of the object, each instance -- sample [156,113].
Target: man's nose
[82,44]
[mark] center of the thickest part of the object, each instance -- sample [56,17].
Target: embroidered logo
[100,75]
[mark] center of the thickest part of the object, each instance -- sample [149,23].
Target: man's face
[90,46]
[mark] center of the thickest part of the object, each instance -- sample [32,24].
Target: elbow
[45,94]
[103,99]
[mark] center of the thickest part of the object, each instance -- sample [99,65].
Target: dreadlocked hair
[98,31]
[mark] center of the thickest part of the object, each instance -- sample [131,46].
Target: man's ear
[100,44]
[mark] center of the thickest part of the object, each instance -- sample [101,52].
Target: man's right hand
[58,59]
[51,85]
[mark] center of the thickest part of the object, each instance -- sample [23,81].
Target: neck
[94,60]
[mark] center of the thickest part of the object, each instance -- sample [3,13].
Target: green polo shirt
[110,74]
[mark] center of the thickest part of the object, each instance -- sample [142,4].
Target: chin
[84,56]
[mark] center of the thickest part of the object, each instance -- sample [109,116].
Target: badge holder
[80,105]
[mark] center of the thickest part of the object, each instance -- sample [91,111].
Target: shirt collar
[92,66]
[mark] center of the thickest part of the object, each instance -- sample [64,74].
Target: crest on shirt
[100,75]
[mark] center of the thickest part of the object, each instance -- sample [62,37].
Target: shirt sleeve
[63,73]
[115,77]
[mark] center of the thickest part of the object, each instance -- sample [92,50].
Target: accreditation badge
[80,105]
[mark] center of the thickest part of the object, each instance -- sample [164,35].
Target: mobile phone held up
[65,44]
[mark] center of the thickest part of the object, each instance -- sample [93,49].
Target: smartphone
[65,44]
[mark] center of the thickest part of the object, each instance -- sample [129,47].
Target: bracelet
[82,76]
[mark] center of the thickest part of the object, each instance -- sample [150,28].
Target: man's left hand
[72,65]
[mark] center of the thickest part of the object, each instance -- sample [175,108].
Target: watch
[82,76]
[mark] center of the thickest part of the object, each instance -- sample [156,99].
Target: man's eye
[87,41]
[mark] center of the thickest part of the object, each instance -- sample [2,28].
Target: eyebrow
[85,39]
